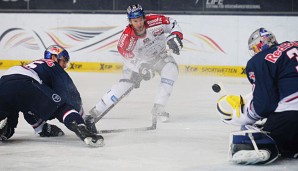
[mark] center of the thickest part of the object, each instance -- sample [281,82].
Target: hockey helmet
[135,11]
[56,50]
[260,40]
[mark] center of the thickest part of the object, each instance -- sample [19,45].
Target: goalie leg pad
[250,156]
[252,147]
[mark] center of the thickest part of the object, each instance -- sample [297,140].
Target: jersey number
[293,53]
[34,64]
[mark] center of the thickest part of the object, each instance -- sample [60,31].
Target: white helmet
[260,40]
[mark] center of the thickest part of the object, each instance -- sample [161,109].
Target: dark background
[222,7]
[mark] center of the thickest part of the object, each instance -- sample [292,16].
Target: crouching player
[273,73]
[42,90]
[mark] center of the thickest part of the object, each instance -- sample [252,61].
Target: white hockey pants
[168,71]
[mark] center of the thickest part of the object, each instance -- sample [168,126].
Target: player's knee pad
[131,77]
[252,147]
[169,75]
[170,71]
[160,65]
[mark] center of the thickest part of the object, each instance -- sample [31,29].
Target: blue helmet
[135,11]
[56,50]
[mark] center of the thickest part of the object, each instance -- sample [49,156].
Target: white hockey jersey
[143,49]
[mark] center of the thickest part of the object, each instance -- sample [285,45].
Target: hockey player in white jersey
[143,48]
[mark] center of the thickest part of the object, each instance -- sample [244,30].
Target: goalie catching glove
[146,71]
[175,44]
[234,110]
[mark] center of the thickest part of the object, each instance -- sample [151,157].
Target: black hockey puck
[216,88]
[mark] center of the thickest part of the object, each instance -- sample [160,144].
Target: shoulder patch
[153,20]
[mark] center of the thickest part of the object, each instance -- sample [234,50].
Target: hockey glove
[175,44]
[49,130]
[146,71]
[5,130]
[91,139]
[233,110]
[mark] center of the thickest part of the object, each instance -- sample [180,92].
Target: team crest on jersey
[154,22]
[56,98]
[252,76]
[158,31]
[146,40]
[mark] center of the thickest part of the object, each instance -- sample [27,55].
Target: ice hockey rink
[193,140]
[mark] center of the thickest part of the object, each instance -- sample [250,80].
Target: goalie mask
[260,40]
[58,51]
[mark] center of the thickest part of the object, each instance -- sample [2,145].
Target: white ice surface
[194,139]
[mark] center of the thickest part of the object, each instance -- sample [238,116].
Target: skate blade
[165,117]
[162,118]
[98,143]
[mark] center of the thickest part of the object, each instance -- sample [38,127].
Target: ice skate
[247,157]
[49,130]
[90,123]
[159,112]
[91,139]
[94,112]
[97,115]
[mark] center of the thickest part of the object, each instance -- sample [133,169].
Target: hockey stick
[152,127]
[154,117]
[119,99]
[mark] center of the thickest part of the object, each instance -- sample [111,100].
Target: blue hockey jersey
[50,73]
[54,76]
[274,76]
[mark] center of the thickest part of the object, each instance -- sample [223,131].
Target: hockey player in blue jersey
[58,80]
[273,73]
[35,89]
